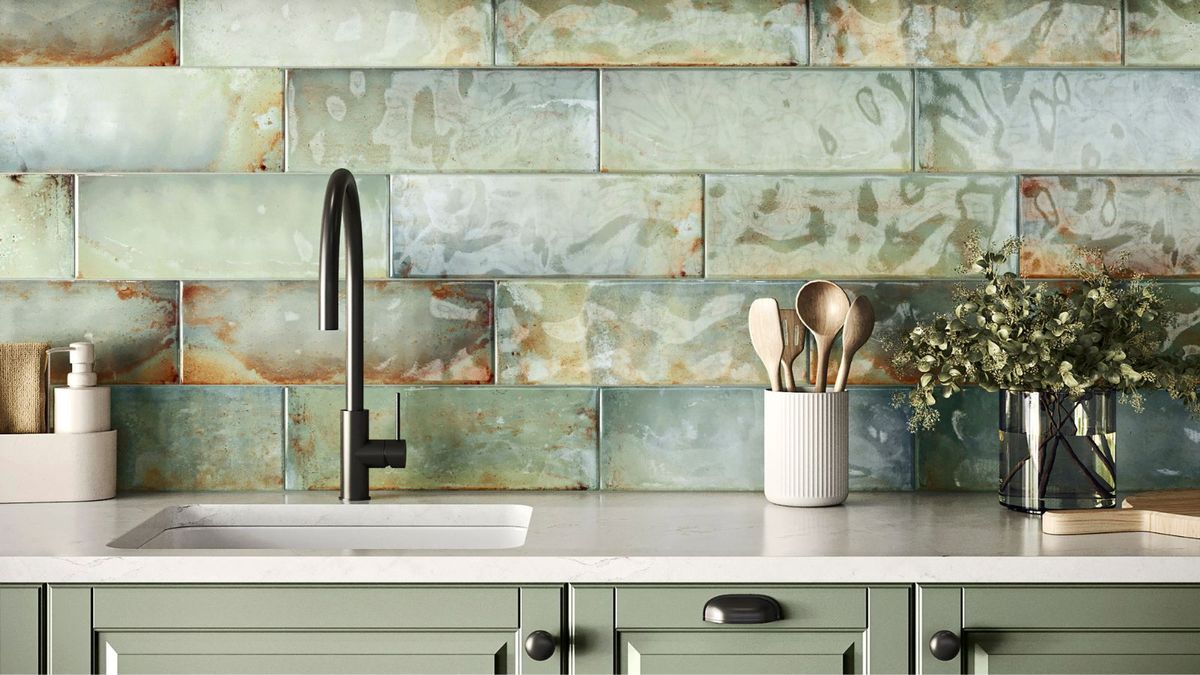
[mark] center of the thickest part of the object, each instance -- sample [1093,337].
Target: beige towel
[23,388]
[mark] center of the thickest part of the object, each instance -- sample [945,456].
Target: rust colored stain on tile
[90,33]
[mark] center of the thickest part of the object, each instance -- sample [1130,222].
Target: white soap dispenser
[81,407]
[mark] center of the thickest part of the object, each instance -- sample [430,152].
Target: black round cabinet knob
[944,645]
[540,645]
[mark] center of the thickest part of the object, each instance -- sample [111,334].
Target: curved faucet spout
[342,211]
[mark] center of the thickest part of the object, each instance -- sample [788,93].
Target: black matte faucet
[359,454]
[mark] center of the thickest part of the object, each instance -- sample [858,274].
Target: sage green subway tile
[712,439]
[442,120]
[1058,121]
[458,438]
[582,225]
[37,226]
[626,332]
[132,324]
[963,451]
[198,438]
[851,226]
[140,119]
[89,33]
[682,439]
[216,226]
[367,33]
[651,32]
[1182,305]
[952,33]
[898,306]
[756,120]
[1149,220]
[1157,448]
[1162,32]
[253,332]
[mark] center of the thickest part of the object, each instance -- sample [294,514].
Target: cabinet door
[1062,629]
[20,633]
[304,652]
[302,629]
[730,652]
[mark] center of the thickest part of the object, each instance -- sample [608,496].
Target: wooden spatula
[766,336]
[1173,512]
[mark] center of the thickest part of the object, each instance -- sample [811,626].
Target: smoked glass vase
[1058,452]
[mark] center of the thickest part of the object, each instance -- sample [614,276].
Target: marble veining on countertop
[589,537]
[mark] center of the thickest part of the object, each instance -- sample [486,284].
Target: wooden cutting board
[1174,512]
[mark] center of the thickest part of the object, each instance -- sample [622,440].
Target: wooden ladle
[822,306]
[860,323]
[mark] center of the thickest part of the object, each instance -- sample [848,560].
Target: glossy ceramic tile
[132,324]
[366,33]
[963,452]
[217,226]
[89,33]
[898,307]
[651,32]
[1162,32]
[1058,120]
[682,439]
[442,120]
[850,226]
[266,332]
[198,438]
[141,119]
[631,333]
[37,226]
[1158,448]
[1182,301]
[1151,220]
[458,438]
[712,439]
[546,225]
[757,120]
[953,33]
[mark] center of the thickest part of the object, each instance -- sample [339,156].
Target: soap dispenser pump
[80,407]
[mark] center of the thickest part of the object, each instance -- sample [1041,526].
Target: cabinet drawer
[1099,607]
[305,607]
[764,651]
[683,606]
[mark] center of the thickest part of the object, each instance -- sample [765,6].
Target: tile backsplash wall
[568,207]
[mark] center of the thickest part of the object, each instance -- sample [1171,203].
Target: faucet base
[360,455]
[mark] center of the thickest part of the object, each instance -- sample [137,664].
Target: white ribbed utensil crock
[806,448]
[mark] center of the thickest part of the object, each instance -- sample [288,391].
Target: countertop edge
[381,569]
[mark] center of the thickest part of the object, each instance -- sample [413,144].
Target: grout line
[599,119]
[286,435]
[283,121]
[75,183]
[495,333]
[1123,29]
[179,329]
[495,33]
[600,438]
[703,226]
[914,117]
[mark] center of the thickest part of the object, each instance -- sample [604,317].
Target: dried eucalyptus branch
[1104,332]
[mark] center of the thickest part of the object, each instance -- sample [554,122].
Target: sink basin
[332,526]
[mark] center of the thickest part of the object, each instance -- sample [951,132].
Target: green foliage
[1106,331]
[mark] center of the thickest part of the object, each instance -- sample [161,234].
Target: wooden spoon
[822,306]
[766,336]
[860,323]
[794,333]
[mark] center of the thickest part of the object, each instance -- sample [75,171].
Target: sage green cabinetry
[661,629]
[1061,629]
[298,629]
[20,629]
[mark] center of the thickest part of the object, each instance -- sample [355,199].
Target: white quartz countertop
[583,537]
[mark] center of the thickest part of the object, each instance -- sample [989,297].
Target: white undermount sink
[332,526]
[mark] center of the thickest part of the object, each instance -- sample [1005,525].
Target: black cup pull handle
[742,608]
[540,645]
[944,645]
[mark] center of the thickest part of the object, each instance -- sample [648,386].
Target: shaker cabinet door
[1059,629]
